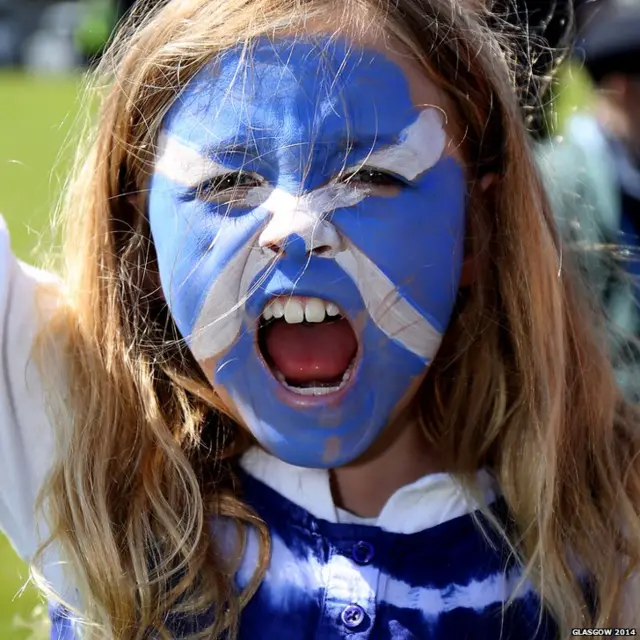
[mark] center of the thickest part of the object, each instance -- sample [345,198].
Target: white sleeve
[26,437]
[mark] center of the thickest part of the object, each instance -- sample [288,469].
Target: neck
[364,486]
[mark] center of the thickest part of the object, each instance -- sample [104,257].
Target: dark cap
[612,43]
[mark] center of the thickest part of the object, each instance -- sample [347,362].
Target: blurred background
[46,48]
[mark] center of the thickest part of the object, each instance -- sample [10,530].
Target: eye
[229,188]
[375,178]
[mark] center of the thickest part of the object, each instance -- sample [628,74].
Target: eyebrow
[409,157]
[227,147]
[422,146]
[244,145]
[184,164]
[367,143]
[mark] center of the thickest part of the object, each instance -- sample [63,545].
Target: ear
[487,181]
[468,274]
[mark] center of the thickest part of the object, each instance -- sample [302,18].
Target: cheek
[208,366]
[409,396]
[417,239]
[203,253]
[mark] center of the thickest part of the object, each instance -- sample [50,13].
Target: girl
[316,368]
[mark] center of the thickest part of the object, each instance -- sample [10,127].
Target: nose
[318,239]
[299,230]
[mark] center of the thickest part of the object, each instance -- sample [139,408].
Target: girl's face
[308,212]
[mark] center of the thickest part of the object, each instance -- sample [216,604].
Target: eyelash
[230,183]
[375,178]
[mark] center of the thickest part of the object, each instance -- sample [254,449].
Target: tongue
[311,352]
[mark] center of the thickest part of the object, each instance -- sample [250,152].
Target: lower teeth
[316,391]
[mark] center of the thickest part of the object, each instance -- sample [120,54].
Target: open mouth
[309,346]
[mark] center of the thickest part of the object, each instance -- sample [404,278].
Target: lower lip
[299,401]
[329,399]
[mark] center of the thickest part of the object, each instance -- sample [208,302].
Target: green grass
[35,119]
[36,116]
[574,92]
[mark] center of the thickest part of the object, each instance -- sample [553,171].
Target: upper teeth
[295,309]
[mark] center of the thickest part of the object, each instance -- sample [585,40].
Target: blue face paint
[293,119]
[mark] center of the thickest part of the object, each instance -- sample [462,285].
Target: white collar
[427,502]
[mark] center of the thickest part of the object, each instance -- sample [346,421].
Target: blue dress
[334,576]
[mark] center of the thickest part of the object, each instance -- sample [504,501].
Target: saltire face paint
[306,170]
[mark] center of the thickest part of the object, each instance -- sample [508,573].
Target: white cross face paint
[300,224]
[412,156]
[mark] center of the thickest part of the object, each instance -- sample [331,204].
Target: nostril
[274,247]
[323,250]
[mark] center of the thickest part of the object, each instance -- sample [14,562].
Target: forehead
[291,91]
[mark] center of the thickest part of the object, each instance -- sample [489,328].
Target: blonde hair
[520,384]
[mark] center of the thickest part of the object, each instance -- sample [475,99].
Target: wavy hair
[520,385]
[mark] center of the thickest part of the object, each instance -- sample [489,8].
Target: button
[362,552]
[352,616]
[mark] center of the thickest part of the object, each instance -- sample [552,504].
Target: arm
[26,436]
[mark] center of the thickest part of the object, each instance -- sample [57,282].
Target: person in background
[593,177]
